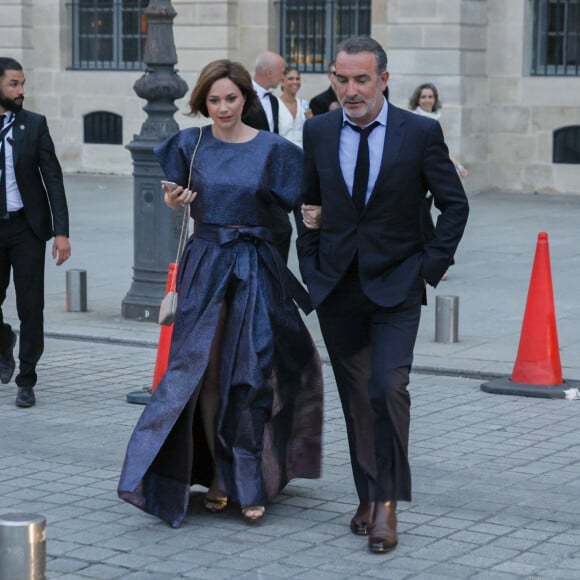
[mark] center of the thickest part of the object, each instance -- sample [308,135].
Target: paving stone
[449,570]
[559,574]
[450,530]
[102,572]
[495,575]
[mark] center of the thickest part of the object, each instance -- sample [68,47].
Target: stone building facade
[499,119]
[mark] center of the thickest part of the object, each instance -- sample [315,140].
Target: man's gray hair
[365,44]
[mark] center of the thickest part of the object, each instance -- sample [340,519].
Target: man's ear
[384,79]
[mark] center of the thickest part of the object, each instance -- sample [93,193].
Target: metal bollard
[446,318]
[22,547]
[76,291]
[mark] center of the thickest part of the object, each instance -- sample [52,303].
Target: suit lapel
[331,145]
[394,137]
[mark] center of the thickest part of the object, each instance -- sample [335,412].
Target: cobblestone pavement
[496,486]
[496,478]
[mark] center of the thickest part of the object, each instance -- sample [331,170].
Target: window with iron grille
[556,38]
[108,34]
[103,127]
[310,30]
[567,145]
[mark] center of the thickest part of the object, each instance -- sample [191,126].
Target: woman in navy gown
[239,409]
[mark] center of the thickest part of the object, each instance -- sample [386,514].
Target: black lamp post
[156,227]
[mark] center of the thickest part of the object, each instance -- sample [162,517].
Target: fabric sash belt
[261,237]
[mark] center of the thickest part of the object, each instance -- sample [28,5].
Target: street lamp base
[142,308]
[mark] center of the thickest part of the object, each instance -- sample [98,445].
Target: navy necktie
[361,170]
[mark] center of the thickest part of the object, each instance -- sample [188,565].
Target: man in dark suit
[367,264]
[326,100]
[33,209]
[268,73]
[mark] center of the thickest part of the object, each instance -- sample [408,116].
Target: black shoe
[25,397]
[7,362]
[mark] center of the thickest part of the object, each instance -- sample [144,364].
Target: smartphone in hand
[170,184]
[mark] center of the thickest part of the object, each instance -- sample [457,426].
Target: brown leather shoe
[361,522]
[383,533]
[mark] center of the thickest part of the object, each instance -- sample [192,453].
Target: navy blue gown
[269,422]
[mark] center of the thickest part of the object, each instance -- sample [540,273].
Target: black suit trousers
[281,231]
[371,352]
[23,253]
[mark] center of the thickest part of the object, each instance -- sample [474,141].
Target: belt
[12,214]
[261,238]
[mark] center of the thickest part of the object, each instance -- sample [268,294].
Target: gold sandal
[215,504]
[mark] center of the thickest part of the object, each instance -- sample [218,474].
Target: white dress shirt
[13,197]
[264,96]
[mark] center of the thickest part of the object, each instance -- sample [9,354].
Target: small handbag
[168,306]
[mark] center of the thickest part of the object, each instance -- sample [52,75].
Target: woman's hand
[177,197]
[311,216]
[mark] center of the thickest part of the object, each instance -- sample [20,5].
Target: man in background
[268,73]
[33,209]
[327,100]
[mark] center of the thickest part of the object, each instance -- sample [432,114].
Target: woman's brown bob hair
[222,69]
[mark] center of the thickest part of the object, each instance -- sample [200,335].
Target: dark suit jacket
[39,176]
[257,119]
[388,237]
[320,103]
[280,221]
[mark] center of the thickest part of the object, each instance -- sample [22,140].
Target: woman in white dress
[293,111]
[425,101]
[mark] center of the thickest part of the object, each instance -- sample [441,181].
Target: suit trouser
[281,231]
[24,254]
[371,352]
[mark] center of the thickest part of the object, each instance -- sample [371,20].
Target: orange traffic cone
[538,358]
[537,371]
[164,334]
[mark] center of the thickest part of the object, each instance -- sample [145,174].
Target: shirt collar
[260,90]
[381,117]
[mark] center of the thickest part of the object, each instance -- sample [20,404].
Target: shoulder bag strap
[185,220]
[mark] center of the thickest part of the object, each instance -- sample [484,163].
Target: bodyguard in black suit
[326,100]
[323,102]
[33,209]
[268,73]
[366,267]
